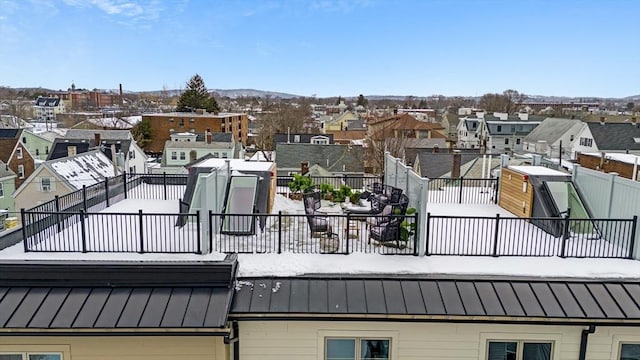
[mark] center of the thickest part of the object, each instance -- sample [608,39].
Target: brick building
[164,124]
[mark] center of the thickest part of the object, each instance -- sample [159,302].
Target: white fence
[609,196]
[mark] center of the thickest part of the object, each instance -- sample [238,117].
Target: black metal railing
[111,232]
[291,233]
[463,190]
[512,236]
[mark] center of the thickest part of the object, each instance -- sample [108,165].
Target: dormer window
[636,140]
[320,140]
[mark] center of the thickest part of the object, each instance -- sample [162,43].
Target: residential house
[340,122]
[504,133]
[15,154]
[62,176]
[47,108]
[302,138]
[184,148]
[37,145]
[450,123]
[432,164]
[129,156]
[356,137]
[547,137]
[468,135]
[404,126]
[335,158]
[7,188]
[608,137]
[165,124]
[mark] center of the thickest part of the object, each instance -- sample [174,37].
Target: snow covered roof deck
[458,230]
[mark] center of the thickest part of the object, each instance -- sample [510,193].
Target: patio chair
[317,220]
[386,226]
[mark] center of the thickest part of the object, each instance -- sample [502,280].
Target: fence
[111,232]
[507,236]
[291,233]
[355,182]
[463,190]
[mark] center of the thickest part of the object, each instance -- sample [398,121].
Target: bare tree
[284,117]
[505,102]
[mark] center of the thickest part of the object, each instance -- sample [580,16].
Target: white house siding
[120,347]
[303,340]
[577,147]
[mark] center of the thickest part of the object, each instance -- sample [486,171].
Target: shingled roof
[333,157]
[616,136]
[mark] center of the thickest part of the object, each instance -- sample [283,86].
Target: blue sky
[326,47]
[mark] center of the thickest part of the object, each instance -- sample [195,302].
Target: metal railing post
[23,217]
[460,192]
[495,191]
[199,246]
[83,231]
[496,236]
[346,250]
[210,230]
[106,191]
[164,183]
[141,231]
[565,234]
[57,207]
[415,236]
[124,182]
[428,230]
[84,198]
[633,236]
[280,231]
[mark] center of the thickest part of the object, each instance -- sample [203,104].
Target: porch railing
[463,190]
[111,232]
[513,236]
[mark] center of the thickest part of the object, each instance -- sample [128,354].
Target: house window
[499,128]
[183,155]
[356,348]
[132,154]
[571,138]
[630,352]
[19,152]
[45,184]
[181,122]
[170,120]
[296,138]
[519,350]
[30,356]
[517,141]
[72,150]
[21,171]
[174,155]
[37,152]
[586,141]
[513,128]
[46,149]
[224,155]
[24,139]
[216,154]
[506,141]
[1,190]
[192,120]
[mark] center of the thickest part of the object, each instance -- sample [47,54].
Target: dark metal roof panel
[605,301]
[218,309]
[489,298]
[133,310]
[374,295]
[29,305]
[470,299]
[261,295]
[413,297]
[318,299]
[176,308]
[356,298]
[10,302]
[92,308]
[299,296]
[156,307]
[508,299]
[547,300]
[626,303]
[197,307]
[49,308]
[528,299]
[394,298]
[113,308]
[566,300]
[432,298]
[337,297]
[586,301]
[70,308]
[280,295]
[451,298]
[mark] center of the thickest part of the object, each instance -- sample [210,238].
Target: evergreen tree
[196,97]
[362,101]
[339,100]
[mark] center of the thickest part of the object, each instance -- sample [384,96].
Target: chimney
[602,120]
[97,139]
[634,121]
[457,161]
[209,137]
[121,97]
[436,149]
[304,167]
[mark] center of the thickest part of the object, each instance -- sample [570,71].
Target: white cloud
[132,12]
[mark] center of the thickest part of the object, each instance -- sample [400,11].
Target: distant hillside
[236,93]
